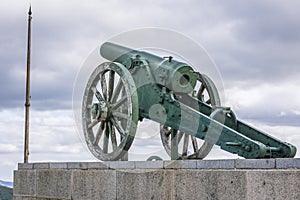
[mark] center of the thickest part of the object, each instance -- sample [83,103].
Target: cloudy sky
[254,44]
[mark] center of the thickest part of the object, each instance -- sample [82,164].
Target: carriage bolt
[247,148]
[203,128]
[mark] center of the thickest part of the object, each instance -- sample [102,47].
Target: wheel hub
[100,111]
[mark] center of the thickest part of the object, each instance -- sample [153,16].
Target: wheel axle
[100,111]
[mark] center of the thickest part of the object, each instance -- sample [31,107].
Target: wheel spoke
[118,126]
[201,90]
[120,115]
[116,91]
[168,132]
[105,139]
[111,84]
[97,94]
[99,133]
[195,144]
[120,102]
[180,134]
[89,106]
[185,145]
[103,85]
[113,136]
[93,123]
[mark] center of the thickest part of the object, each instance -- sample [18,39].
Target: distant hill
[6,183]
[6,193]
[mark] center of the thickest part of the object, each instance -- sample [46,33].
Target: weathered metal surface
[165,91]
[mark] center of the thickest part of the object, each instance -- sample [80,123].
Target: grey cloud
[270,117]
[262,21]
[265,41]
[63,34]
[261,46]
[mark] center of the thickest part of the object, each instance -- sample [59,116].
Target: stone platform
[189,179]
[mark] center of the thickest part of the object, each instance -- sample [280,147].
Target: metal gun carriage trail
[136,85]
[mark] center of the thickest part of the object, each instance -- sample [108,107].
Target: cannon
[134,85]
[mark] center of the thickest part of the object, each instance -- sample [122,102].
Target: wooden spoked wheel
[110,111]
[188,145]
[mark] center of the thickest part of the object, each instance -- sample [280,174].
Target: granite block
[77,165]
[24,182]
[180,164]
[58,165]
[25,166]
[94,184]
[41,165]
[53,183]
[288,163]
[255,163]
[122,165]
[144,184]
[215,164]
[159,164]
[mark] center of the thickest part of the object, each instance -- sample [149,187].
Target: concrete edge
[278,163]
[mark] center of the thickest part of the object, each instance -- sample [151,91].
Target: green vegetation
[6,193]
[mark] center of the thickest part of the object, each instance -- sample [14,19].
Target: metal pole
[27,103]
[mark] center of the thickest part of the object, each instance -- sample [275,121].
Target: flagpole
[27,103]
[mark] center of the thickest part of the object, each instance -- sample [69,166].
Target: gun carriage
[136,85]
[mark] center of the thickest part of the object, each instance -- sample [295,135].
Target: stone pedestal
[189,179]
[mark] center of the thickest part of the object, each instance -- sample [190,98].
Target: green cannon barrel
[175,75]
